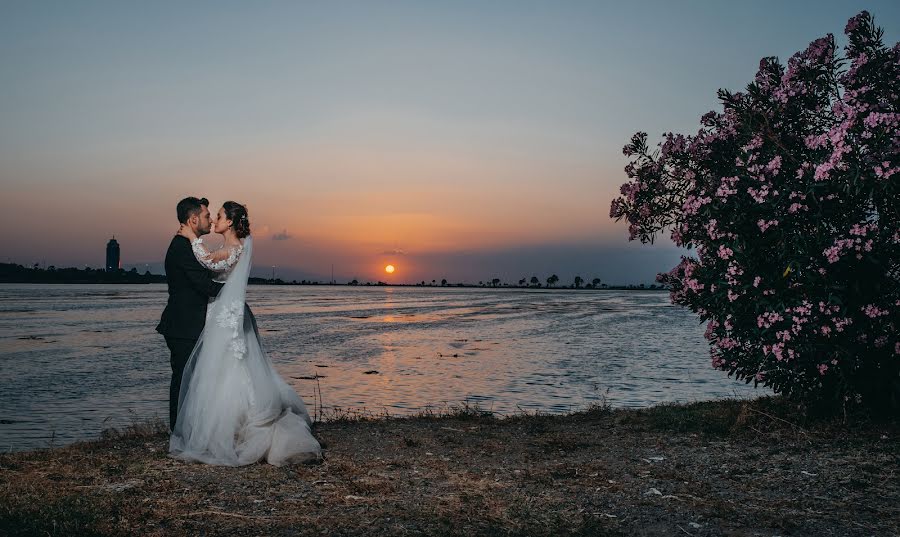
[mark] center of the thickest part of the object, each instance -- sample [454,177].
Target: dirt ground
[719,468]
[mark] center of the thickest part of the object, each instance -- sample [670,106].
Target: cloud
[395,251]
[281,236]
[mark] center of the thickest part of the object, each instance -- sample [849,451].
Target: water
[77,359]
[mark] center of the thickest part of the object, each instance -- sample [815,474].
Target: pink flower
[693,284]
[857,21]
[859,230]
[774,165]
[822,171]
[717,361]
[692,204]
[890,120]
[833,253]
[726,187]
[759,195]
[815,142]
[839,324]
[873,311]
[734,269]
[727,343]
[766,320]
[711,229]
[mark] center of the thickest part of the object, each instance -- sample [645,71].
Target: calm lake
[77,359]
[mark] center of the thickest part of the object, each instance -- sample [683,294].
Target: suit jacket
[190,287]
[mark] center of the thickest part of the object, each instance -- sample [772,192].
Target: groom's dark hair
[190,206]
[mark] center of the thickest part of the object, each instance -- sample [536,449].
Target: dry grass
[720,468]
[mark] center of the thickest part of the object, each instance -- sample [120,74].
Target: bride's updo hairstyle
[237,213]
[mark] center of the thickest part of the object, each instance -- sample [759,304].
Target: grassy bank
[717,468]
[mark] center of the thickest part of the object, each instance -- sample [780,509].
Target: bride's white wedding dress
[234,408]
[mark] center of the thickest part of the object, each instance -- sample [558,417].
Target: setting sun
[389,269]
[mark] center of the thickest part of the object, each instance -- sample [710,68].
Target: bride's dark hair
[237,213]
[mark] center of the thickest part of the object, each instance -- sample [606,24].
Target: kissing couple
[227,404]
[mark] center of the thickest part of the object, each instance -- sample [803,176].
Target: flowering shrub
[790,198]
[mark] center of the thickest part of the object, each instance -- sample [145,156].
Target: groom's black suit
[190,287]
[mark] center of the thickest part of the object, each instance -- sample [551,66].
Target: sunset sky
[458,140]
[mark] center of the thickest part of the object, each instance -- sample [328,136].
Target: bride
[234,408]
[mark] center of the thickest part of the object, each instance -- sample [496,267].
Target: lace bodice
[230,312]
[208,258]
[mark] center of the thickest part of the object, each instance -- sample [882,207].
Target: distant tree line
[577,283]
[551,283]
[12,273]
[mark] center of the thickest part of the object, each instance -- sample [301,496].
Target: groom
[190,287]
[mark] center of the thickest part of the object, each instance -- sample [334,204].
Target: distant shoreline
[326,284]
[12,273]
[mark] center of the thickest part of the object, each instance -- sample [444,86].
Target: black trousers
[181,351]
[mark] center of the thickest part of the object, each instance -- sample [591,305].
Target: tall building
[113,257]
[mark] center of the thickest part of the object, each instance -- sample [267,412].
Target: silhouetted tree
[535,282]
[552,280]
[522,282]
[578,282]
[443,282]
[495,282]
